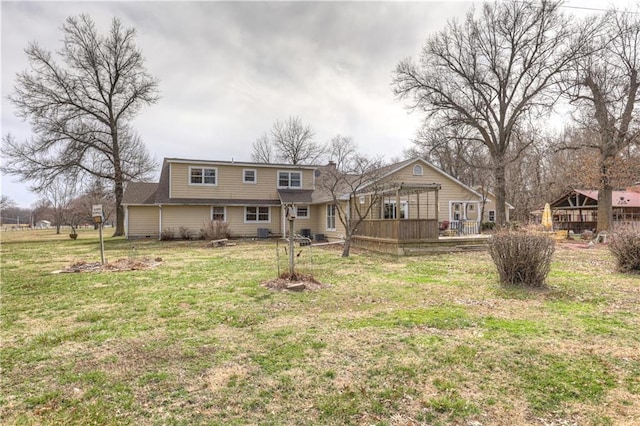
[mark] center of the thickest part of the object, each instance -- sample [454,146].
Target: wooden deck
[402,230]
[412,237]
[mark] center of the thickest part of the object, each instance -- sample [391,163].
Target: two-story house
[251,199]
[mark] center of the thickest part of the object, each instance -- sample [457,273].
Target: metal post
[101,244]
[291,249]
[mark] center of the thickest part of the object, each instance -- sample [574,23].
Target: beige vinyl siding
[451,190]
[229,182]
[238,227]
[491,205]
[339,230]
[142,221]
[192,217]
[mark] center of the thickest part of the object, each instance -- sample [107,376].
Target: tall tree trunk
[501,196]
[605,198]
[118,179]
[119,209]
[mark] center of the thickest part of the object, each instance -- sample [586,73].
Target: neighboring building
[251,198]
[577,210]
[42,224]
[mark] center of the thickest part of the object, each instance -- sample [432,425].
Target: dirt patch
[297,282]
[115,266]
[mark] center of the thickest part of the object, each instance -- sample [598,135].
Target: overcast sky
[228,70]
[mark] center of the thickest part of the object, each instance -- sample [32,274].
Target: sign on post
[96,213]
[98,217]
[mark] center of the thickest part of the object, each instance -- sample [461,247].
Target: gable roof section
[140,193]
[393,168]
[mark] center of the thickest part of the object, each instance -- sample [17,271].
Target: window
[202,176]
[249,176]
[217,213]
[302,212]
[257,214]
[492,215]
[417,170]
[390,211]
[331,217]
[289,179]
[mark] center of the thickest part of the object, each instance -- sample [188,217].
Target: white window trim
[418,167]
[224,209]
[404,207]
[203,168]
[289,173]
[335,213]
[255,176]
[308,212]
[257,214]
[464,209]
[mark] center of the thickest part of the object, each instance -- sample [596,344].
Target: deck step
[446,249]
[473,247]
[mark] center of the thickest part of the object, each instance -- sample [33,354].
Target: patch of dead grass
[119,265]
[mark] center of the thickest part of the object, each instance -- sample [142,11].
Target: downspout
[160,221]
[126,222]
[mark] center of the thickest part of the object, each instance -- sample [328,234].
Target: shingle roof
[140,193]
[162,196]
[222,202]
[288,196]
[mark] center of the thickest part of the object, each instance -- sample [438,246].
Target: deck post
[418,203]
[398,204]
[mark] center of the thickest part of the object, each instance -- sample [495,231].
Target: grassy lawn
[393,341]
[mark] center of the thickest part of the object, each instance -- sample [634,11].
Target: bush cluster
[625,247]
[167,234]
[215,230]
[522,258]
[184,232]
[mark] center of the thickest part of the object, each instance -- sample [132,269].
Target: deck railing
[465,227]
[399,230]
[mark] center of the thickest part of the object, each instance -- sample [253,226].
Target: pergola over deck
[402,229]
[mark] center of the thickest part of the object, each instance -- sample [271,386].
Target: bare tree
[349,176]
[41,210]
[604,88]
[290,142]
[262,150]
[490,73]
[81,112]
[59,194]
[451,149]
[6,202]
[96,192]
